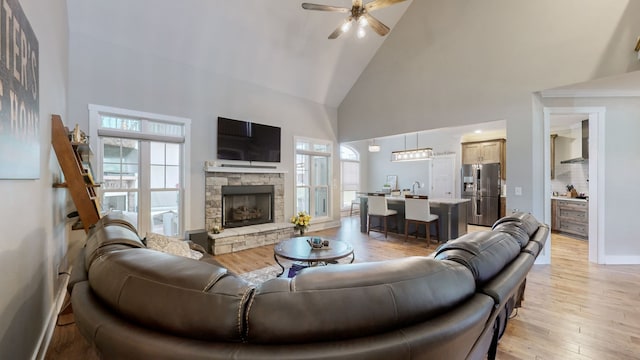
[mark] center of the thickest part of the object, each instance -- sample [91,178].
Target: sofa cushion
[484,253]
[174,294]
[339,301]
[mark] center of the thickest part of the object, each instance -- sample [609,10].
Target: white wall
[449,63]
[32,244]
[106,74]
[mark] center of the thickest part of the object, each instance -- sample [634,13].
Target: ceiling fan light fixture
[361,32]
[360,13]
[346,26]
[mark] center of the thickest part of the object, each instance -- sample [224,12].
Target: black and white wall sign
[19,98]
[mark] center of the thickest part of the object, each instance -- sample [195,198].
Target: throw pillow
[171,245]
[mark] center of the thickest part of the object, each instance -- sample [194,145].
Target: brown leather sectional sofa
[135,303]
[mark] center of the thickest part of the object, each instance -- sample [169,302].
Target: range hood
[585,146]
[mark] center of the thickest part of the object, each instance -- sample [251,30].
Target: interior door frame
[596,176]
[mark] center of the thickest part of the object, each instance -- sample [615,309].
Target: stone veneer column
[214,181]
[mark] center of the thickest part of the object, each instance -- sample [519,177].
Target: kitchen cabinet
[485,152]
[570,217]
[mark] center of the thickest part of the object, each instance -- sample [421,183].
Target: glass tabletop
[298,249]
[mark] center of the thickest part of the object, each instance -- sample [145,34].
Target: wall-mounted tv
[243,140]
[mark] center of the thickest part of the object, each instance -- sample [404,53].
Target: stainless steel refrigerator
[481,184]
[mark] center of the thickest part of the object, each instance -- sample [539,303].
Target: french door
[141,179]
[140,162]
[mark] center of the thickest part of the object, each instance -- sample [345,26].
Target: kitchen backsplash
[574,174]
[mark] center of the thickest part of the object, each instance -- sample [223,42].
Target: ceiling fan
[359,13]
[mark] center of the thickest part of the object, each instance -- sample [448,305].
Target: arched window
[350,175]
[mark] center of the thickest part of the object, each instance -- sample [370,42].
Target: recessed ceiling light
[478,131]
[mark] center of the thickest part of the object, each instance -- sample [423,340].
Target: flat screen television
[244,140]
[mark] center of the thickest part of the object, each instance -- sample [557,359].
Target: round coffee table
[298,249]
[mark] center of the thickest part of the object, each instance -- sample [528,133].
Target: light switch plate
[518,190]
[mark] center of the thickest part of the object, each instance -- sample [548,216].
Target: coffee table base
[310,263]
[300,249]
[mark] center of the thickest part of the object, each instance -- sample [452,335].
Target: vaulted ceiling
[274,44]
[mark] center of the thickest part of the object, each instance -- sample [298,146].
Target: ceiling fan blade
[379,4]
[340,29]
[308,6]
[376,25]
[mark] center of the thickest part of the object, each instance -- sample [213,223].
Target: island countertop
[452,213]
[568,198]
[449,201]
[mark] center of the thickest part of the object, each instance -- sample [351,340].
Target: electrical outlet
[518,190]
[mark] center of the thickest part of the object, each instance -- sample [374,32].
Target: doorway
[443,177]
[595,174]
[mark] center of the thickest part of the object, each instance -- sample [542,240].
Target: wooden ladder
[78,178]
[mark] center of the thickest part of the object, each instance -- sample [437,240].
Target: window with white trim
[140,160]
[313,176]
[349,175]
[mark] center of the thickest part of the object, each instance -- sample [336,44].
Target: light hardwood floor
[572,309]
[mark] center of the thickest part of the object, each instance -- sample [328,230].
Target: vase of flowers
[301,221]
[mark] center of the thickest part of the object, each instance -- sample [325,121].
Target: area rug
[257,277]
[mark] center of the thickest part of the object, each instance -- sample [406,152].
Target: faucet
[413,190]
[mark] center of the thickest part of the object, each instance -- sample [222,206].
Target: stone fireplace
[244,205]
[236,182]
[248,204]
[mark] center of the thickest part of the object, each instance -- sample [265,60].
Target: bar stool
[356,202]
[377,206]
[416,210]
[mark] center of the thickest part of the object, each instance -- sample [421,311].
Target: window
[140,162]
[350,175]
[313,174]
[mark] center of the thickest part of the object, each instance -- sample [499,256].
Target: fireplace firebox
[244,205]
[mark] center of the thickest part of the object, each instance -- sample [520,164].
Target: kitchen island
[452,215]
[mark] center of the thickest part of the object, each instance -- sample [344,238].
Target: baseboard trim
[621,260]
[325,225]
[47,332]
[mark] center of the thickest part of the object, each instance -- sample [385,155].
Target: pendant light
[373,147]
[416,154]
